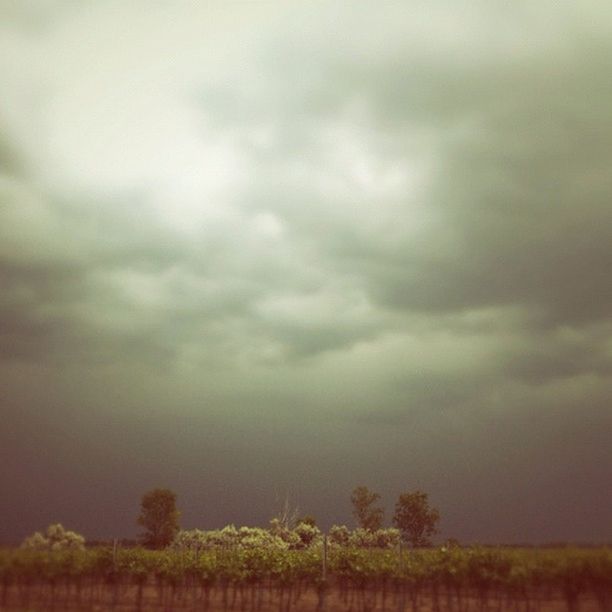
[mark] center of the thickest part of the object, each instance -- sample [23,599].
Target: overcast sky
[258,249]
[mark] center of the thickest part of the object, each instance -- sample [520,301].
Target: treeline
[414,522]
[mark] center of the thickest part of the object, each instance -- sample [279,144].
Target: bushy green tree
[307,519]
[307,533]
[160,517]
[340,535]
[415,519]
[55,538]
[367,515]
[379,538]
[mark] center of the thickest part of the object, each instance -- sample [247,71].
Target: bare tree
[287,514]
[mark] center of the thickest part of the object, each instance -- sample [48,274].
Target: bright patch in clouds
[293,238]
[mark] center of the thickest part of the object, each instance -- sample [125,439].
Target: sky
[252,251]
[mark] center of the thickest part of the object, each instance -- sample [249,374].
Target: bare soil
[254,598]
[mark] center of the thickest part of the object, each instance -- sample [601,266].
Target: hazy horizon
[257,249]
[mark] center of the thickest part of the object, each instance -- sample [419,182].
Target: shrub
[55,538]
[228,537]
[307,533]
[339,535]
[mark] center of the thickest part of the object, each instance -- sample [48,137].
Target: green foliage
[228,537]
[367,515]
[379,538]
[307,519]
[160,517]
[415,519]
[282,531]
[340,535]
[55,538]
[307,533]
[277,537]
[466,572]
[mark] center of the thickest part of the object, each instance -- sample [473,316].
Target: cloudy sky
[258,249]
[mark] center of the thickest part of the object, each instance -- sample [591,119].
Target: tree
[415,519]
[159,516]
[307,519]
[286,517]
[367,515]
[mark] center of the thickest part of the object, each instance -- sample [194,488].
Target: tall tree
[367,515]
[415,519]
[159,516]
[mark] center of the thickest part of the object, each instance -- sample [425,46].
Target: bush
[307,533]
[340,535]
[228,537]
[288,536]
[55,538]
[381,538]
[256,537]
[277,537]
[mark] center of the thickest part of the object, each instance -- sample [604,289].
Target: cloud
[313,225]
[404,177]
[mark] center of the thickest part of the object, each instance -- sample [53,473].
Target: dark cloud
[519,190]
[357,246]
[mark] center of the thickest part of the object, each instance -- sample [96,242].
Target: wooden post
[401,604]
[324,569]
[115,553]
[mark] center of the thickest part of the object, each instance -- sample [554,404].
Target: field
[338,579]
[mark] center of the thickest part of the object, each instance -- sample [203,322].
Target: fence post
[115,553]
[324,568]
[401,606]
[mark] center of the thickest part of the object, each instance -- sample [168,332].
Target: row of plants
[302,536]
[473,567]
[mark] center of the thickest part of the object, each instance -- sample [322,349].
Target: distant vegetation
[272,577]
[415,519]
[160,517]
[273,568]
[55,538]
[366,514]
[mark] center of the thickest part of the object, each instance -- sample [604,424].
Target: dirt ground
[252,598]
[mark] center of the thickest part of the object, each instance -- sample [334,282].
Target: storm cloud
[257,249]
